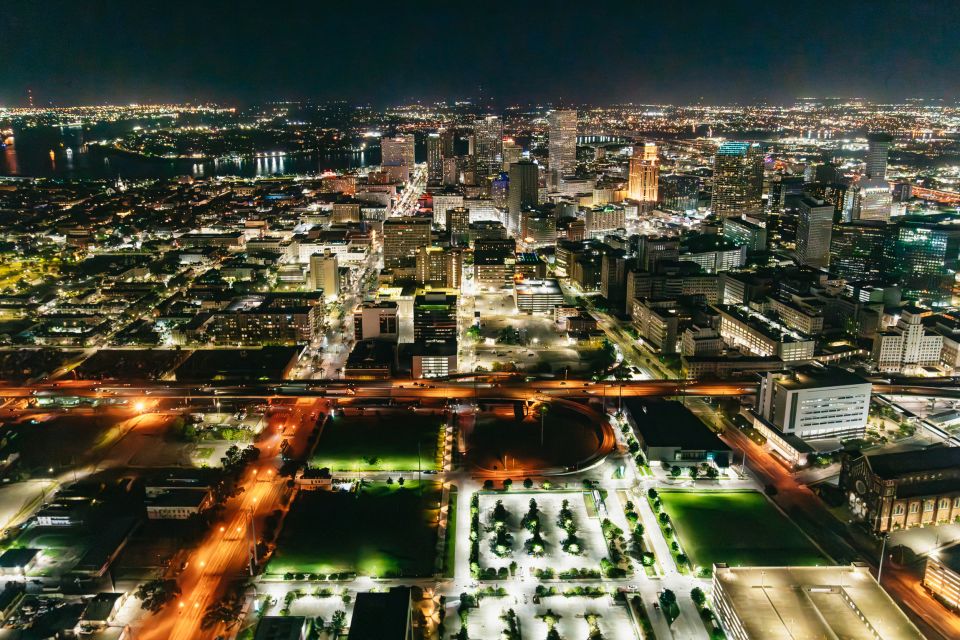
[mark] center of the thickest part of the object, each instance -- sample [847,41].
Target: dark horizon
[567,53]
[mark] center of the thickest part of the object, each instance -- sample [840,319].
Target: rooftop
[381,616]
[810,603]
[811,377]
[669,423]
[894,465]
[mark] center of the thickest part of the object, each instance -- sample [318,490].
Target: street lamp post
[883,552]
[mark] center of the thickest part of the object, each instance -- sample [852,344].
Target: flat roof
[667,423]
[381,616]
[818,377]
[811,603]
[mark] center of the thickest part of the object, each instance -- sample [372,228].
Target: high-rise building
[439,266]
[512,152]
[444,201]
[524,191]
[878,149]
[746,231]
[907,345]
[923,258]
[737,180]
[401,238]
[434,159]
[376,321]
[488,145]
[562,145]
[874,200]
[815,403]
[857,249]
[643,180]
[600,221]
[435,317]
[325,274]
[814,227]
[398,151]
[679,192]
[538,228]
[457,224]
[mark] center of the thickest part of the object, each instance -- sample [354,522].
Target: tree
[675,471]
[488,485]
[699,598]
[155,594]
[507,483]
[668,603]
[337,622]
[694,472]
[226,611]
[400,481]
[527,483]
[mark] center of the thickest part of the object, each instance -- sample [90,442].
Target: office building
[538,228]
[494,263]
[737,180]
[435,317]
[747,232]
[523,191]
[757,335]
[439,266]
[488,145]
[651,250]
[815,403]
[814,228]
[325,274]
[457,224]
[806,603]
[698,341]
[679,192]
[512,152]
[908,345]
[924,257]
[376,321]
[398,151]
[857,249]
[345,213]
[434,159]
[383,615]
[562,145]
[486,230]
[443,201]
[644,173]
[874,200]
[878,149]
[657,322]
[604,220]
[401,238]
[890,491]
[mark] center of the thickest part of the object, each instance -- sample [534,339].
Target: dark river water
[62,152]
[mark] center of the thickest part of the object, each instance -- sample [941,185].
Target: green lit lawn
[450,545]
[385,531]
[740,528]
[384,442]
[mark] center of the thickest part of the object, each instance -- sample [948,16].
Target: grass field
[740,528]
[383,442]
[384,531]
[450,545]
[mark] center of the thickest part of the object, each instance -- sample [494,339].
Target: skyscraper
[878,148]
[325,274]
[562,145]
[434,159]
[488,145]
[523,191]
[814,226]
[737,179]
[857,249]
[457,224]
[401,238]
[644,173]
[397,151]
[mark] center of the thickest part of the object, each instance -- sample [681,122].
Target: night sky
[96,51]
